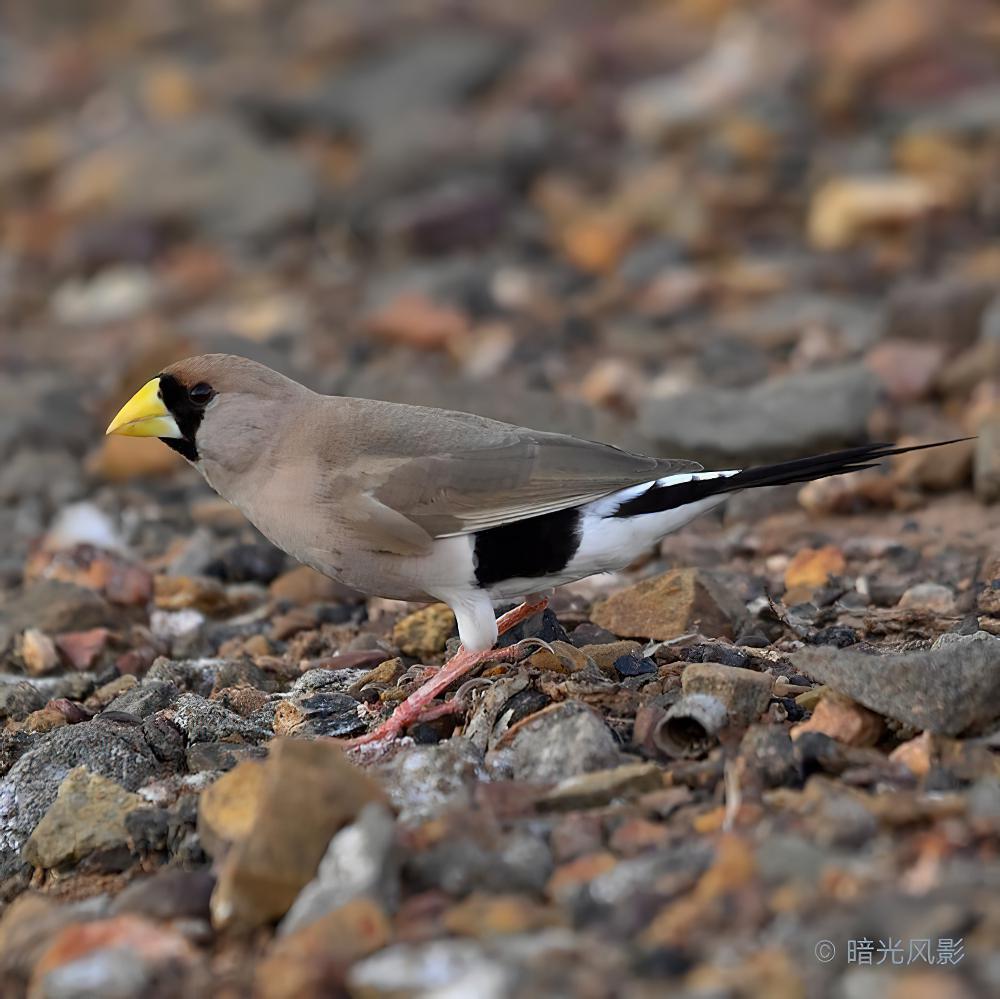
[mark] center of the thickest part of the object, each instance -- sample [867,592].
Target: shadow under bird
[416,503]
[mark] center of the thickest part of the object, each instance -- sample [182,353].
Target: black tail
[657,499]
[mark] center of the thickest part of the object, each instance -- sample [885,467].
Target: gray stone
[436,968]
[360,860]
[429,72]
[561,741]
[780,418]
[217,173]
[170,893]
[53,606]
[18,700]
[146,698]
[208,721]
[424,781]
[947,310]
[950,689]
[118,752]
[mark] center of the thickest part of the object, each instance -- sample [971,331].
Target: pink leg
[415,706]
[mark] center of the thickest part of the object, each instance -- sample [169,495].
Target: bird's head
[217,407]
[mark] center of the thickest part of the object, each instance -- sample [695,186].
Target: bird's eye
[201,393]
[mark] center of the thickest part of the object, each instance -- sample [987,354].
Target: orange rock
[667,606]
[842,719]
[153,942]
[414,320]
[488,916]
[915,754]
[580,871]
[308,963]
[595,242]
[810,569]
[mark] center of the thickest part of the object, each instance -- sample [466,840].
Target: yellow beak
[144,415]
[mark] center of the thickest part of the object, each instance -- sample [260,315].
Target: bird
[423,504]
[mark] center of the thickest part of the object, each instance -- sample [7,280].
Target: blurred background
[731,230]
[706,227]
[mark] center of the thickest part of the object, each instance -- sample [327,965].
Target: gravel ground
[763,762]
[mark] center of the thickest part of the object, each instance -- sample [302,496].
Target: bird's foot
[417,706]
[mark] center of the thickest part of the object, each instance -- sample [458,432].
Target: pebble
[842,719]
[560,741]
[598,788]
[425,632]
[314,958]
[307,792]
[122,956]
[87,817]
[803,413]
[112,750]
[677,603]
[952,688]
[361,861]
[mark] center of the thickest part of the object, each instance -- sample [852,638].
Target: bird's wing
[440,474]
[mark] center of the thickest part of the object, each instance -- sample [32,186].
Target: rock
[947,311]
[986,461]
[396,89]
[786,417]
[208,721]
[308,792]
[930,597]
[950,689]
[207,170]
[937,469]
[19,699]
[845,209]
[426,781]
[415,321]
[770,756]
[915,754]
[560,741]
[87,817]
[170,893]
[81,648]
[325,714]
[145,698]
[742,60]
[745,693]
[442,967]
[602,786]
[607,654]
[38,652]
[208,756]
[908,371]
[810,569]
[677,603]
[116,751]
[227,809]
[51,606]
[316,957]
[360,862]
[488,916]
[425,632]
[116,958]
[29,923]
[114,294]
[841,719]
